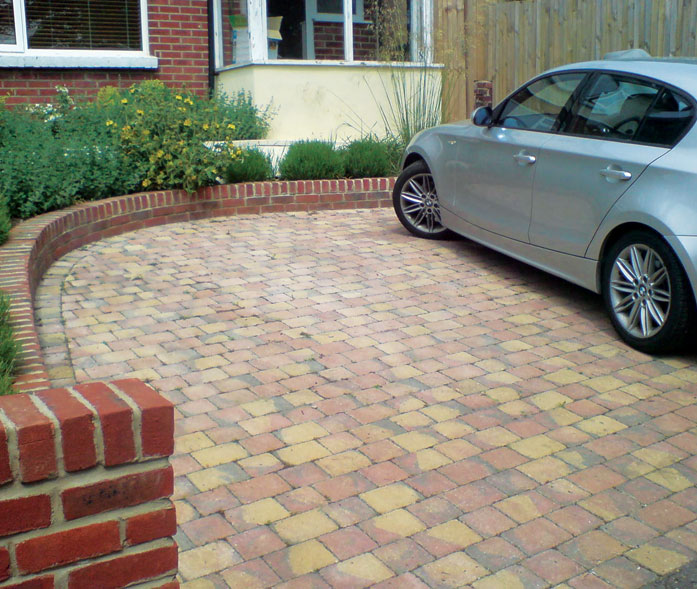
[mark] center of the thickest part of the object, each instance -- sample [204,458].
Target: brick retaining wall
[35,244]
[85,487]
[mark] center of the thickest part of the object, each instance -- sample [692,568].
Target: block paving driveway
[356,407]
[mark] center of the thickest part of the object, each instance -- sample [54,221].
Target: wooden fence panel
[508,42]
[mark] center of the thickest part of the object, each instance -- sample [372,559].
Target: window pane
[667,120]
[613,107]
[7,23]
[537,106]
[333,6]
[84,24]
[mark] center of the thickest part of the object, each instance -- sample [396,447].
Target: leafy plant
[251,165]
[368,158]
[308,160]
[5,224]
[8,346]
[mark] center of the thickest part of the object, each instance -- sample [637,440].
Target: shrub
[367,158]
[310,160]
[251,121]
[8,346]
[5,224]
[251,165]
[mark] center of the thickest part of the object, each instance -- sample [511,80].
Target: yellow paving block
[515,345]
[503,394]
[406,371]
[507,579]
[671,479]
[220,454]
[191,442]
[549,400]
[660,560]
[496,436]
[200,584]
[399,522]
[518,408]
[302,432]
[210,478]
[456,533]
[520,507]
[455,570]
[240,578]
[259,461]
[537,446]
[523,319]
[301,453]
[296,369]
[563,416]
[259,407]
[412,419]
[564,376]
[330,337]
[601,425]
[617,398]
[389,497]
[185,512]
[453,429]
[443,394]
[603,384]
[264,511]
[299,398]
[440,413]
[413,441]
[657,458]
[365,567]
[545,469]
[430,459]
[304,526]
[502,377]
[641,390]
[308,557]
[339,464]
[209,362]
[207,559]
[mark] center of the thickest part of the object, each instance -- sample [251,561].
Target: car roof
[678,72]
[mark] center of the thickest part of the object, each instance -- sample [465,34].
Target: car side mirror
[483,116]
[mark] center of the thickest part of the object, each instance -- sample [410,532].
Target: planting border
[37,243]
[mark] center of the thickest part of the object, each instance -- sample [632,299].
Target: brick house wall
[329,41]
[178,34]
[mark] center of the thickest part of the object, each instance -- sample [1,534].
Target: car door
[493,167]
[595,158]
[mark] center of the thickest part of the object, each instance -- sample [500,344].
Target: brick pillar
[483,93]
[85,488]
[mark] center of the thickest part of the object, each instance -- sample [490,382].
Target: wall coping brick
[37,243]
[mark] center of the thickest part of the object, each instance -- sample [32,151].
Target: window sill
[333,63]
[77,59]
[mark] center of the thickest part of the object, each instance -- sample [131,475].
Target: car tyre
[647,293]
[416,203]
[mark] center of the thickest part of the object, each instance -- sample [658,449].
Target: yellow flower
[206,126]
[188,101]
[124,101]
[187,123]
[146,131]
[160,153]
[109,123]
[132,90]
[140,112]
[178,97]
[146,183]
[230,126]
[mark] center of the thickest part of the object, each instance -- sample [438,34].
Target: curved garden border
[38,242]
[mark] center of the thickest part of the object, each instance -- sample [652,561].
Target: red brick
[39,583]
[151,526]
[25,513]
[5,470]
[124,570]
[116,418]
[132,489]
[35,438]
[157,421]
[44,552]
[4,564]
[77,428]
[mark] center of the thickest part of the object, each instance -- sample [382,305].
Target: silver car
[589,172]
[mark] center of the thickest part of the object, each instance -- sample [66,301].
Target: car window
[537,106]
[666,120]
[612,107]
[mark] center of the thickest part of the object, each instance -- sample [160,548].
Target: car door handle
[524,158]
[622,175]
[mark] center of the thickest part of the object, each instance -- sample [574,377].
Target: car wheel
[647,293]
[416,202]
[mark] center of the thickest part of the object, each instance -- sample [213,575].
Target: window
[71,33]
[538,105]
[334,6]
[612,107]
[667,120]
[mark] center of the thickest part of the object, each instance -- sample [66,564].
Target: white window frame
[19,54]
[421,39]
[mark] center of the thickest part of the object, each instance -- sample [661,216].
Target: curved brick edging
[35,244]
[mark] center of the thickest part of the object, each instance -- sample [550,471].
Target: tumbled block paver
[359,408]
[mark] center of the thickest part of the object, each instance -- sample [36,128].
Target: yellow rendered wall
[321,101]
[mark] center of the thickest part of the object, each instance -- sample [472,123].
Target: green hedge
[8,346]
